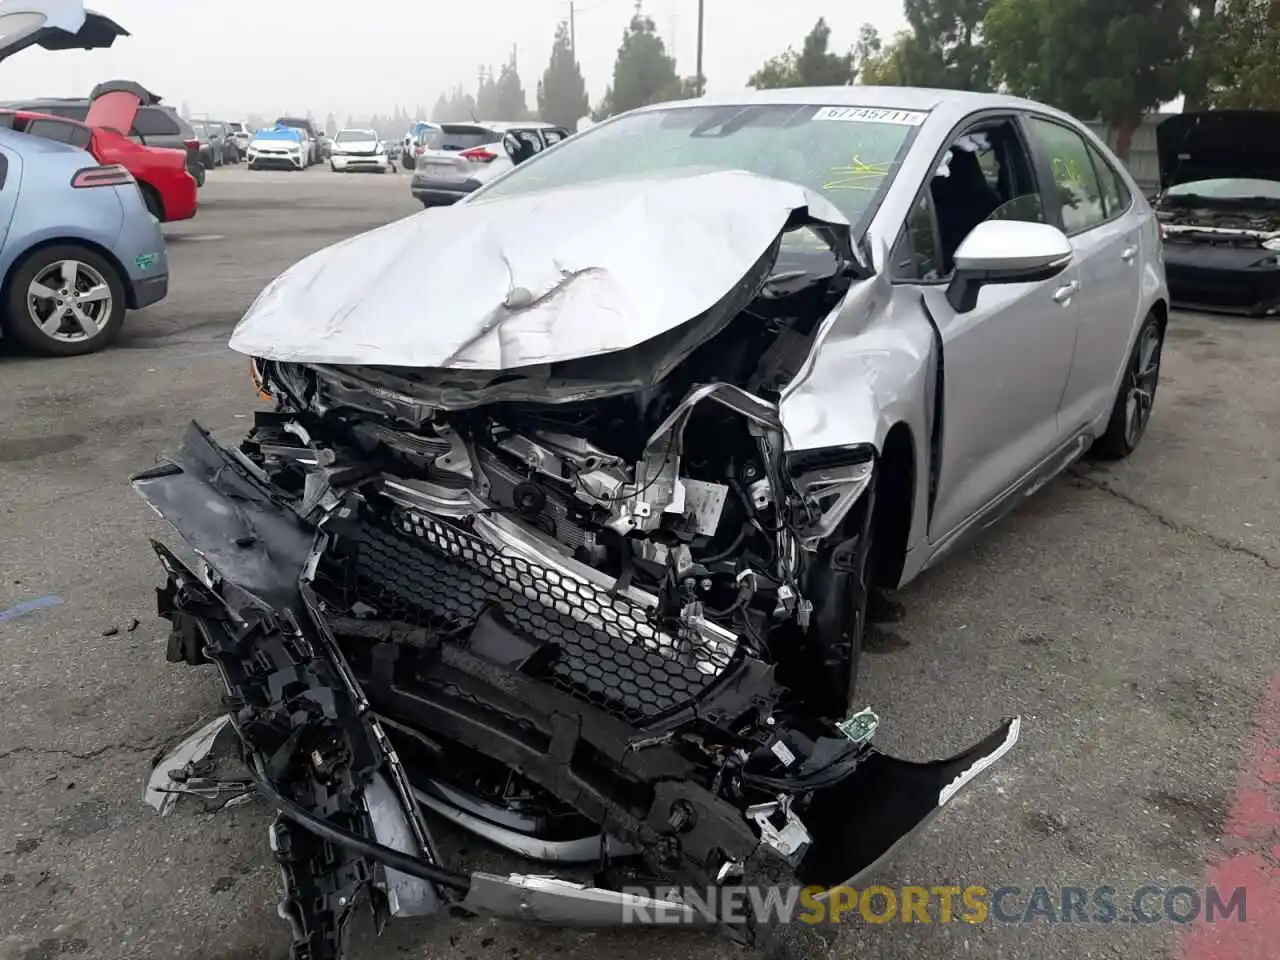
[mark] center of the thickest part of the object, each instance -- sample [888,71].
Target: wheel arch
[1161,309]
[150,190]
[121,274]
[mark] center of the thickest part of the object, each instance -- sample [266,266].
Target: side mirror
[518,148]
[1006,251]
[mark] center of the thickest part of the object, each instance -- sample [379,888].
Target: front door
[1006,362]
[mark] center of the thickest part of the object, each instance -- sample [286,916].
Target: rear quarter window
[154,122]
[71,133]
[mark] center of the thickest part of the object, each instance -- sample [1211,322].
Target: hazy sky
[232,57]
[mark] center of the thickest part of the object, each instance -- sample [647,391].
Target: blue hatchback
[77,247]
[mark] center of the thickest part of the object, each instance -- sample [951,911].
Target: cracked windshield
[848,154]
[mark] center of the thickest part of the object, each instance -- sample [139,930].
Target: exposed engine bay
[596,612]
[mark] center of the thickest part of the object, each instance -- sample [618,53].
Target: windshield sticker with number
[908,118]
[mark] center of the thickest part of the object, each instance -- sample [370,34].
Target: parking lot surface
[1129,613]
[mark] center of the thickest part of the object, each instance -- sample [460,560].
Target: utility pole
[573,35]
[701,83]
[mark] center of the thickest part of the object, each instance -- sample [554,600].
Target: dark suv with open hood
[1219,209]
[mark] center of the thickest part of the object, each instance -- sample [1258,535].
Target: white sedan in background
[359,150]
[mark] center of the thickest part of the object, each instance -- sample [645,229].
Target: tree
[486,95]
[813,66]
[1202,66]
[948,50]
[1108,59]
[508,94]
[906,61]
[457,106]
[643,72]
[1240,57]
[562,93]
[331,124]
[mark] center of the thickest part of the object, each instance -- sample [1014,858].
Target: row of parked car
[84,186]
[451,160]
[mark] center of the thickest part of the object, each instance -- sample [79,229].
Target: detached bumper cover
[313,711]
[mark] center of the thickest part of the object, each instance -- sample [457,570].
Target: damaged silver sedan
[573,501]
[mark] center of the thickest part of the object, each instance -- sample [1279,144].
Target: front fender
[874,364]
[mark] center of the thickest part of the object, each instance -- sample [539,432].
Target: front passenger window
[1074,175]
[916,255]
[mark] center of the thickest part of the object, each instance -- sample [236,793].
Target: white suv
[458,158]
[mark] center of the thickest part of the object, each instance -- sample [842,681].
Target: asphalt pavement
[1128,613]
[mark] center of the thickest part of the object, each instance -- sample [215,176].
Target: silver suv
[458,158]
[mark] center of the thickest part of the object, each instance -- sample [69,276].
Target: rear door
[10,178]
[1099,217]
[454,152]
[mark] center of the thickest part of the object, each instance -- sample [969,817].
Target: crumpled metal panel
[532,279]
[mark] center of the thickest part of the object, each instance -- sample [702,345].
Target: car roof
[33,103]
[37,115]
[956,103]
[501,125]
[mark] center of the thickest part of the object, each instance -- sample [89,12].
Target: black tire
[24,330]
[1132,410]
[152,199]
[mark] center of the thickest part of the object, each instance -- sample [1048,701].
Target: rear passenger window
[1079,191]
[61,132]
[154,122]
[1115,196]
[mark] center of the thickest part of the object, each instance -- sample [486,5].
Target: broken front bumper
[320,704]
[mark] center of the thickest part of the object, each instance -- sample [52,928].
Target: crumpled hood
[536,278]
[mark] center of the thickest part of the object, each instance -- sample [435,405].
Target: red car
[167,186]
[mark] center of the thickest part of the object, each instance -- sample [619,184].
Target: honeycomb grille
[414,568]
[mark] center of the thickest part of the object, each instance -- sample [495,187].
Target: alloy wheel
[69,301]
[1142,378]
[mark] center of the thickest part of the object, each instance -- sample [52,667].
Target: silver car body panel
[875,364]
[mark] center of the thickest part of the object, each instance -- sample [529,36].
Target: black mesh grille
[414,568]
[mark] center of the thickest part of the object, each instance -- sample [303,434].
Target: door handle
[1128,254]
[1065,292]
